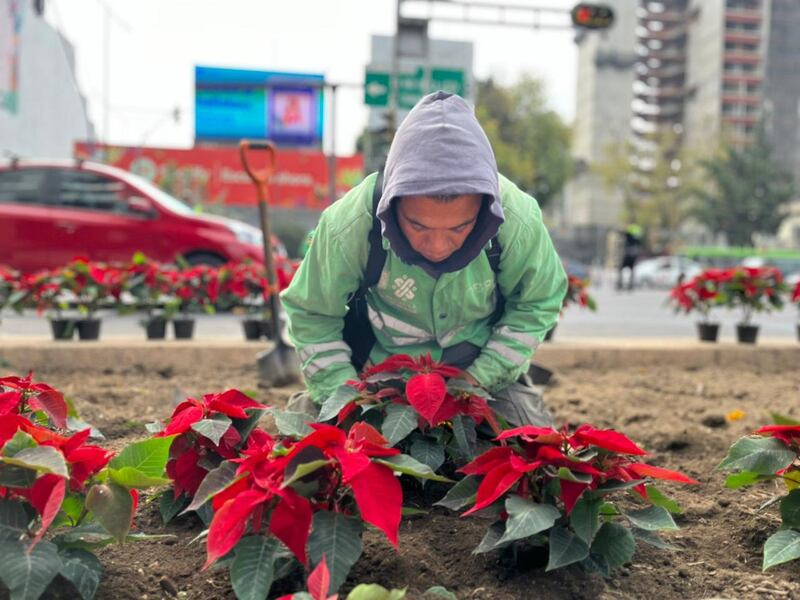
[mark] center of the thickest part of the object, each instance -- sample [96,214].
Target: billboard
[214,175]
[231,104]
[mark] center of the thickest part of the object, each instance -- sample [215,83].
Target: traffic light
[592,16]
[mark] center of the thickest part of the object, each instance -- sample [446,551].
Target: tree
[654,184]
[746,192]
[531,143]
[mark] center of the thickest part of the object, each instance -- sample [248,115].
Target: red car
[52,211]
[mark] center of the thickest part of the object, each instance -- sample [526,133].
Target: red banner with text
[214,175]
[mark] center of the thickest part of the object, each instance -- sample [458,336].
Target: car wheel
[205,258]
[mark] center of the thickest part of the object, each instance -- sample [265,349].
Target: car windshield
[159,195]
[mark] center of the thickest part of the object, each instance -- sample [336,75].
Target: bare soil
[674,408]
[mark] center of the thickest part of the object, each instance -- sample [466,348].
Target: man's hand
[471,380]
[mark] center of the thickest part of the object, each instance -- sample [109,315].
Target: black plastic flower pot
[266,328]
[88,329]
[708,332]
[548,337]
[252,329]
[184,328]
[747,334]
[156,328]
[63,329]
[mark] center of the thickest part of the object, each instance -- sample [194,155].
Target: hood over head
[441,149]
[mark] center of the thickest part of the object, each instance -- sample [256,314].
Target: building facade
[43,111]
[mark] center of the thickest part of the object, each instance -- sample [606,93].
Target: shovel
[279,365]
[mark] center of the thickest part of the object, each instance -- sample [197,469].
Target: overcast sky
[155,45]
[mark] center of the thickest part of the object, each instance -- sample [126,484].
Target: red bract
[788,434]
[423,364]
[543,452]
[318,583]
[38,396]
[796,294]
[426,393]
[577,293]
[188,451]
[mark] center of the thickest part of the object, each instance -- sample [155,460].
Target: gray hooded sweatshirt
[441,149]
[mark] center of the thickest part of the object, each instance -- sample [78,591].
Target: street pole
[332,152]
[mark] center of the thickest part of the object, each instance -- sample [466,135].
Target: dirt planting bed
[673,401]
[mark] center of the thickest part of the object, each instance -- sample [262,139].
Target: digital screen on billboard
[231,104]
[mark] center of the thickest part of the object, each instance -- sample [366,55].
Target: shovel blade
[278,366]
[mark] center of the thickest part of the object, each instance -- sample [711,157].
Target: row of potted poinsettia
[161,293]
[750,290]
[300,497]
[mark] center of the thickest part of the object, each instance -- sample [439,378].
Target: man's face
[437,228]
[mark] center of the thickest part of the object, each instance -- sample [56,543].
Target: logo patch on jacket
[404,287]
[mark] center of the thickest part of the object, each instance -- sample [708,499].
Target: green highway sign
[376,89]
[411,85]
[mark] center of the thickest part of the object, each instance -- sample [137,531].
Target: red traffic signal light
[592,16]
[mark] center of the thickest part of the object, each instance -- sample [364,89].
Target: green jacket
[413,313]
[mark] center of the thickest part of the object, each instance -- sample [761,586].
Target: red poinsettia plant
[552,488]
[8,279]
[194,289]
[206,432]
[577,293]
[796,295]
[53,482]
[701,293]
[244,284]
[753,290]
[312,493]
[41,291]
[92,284]
[146,280]
[772,453]
[426,408]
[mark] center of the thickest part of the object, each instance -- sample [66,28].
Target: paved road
[620,315]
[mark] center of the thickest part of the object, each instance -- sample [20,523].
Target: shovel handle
[259,176]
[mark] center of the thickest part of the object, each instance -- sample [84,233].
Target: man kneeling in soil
[439,255]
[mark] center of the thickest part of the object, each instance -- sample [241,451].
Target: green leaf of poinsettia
[253,567]
[615,543]
[403,463]
[657,498]
[13,520]
[790,509]
[27,572]
[373,591]
[20,441]
[400,420]
[343,396]
[428,452]
[215,481]
[45,459]
[781,547]
[565,548]
[585,516]
[112,506]
[292,423]
[491,538]
[16,476]
[762,455]
[779,419]
[744,478]
[148,456]
[130,477]
[83,570]
[461,494]
[652,518]
[337,537]
[213,428]
[527,518]
[651,538]
[169,506]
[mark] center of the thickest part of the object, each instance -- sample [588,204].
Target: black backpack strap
[377,253]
